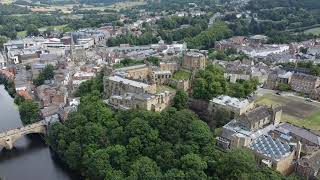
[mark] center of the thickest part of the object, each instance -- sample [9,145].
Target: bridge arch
[7,139]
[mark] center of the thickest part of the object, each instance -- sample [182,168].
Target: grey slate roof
[256,114]
[270,147]
[287,128]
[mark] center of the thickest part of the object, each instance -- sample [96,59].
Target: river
[31,158]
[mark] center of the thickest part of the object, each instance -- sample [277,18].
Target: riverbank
[8,84]
[31,158]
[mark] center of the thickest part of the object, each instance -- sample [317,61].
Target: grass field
[60,27]
[295,110]
[126,5]
[314,31]
[24,33]
[6,1]
[165,88]
[182,75]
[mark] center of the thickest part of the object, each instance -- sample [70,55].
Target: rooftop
[304,77]
[194,54]
[230,101]
[162,72]
[289,129]
[132,67]
[256,114]
[128,82]
[270,147]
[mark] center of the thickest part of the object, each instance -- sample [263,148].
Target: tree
[235,163]
[46,74]
[19,100]
[303,50]
[137,144]
[32,30]
[28,111]
[153,60]
[144,168]
[283,87]
[209,83]
[3,40]
[222,117]
[48,31]
[180,100]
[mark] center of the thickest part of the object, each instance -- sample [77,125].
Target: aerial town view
[159,89]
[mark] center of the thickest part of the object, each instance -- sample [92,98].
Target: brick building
[50,95]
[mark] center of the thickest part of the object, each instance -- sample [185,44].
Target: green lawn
[182,75]
[60,27]
[314,31]
[24,33]
[295,110]
[165,88]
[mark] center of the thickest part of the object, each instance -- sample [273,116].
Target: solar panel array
[270,147]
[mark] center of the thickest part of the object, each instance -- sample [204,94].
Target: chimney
[298,150]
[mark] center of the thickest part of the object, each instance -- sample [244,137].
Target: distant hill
[268,4]
[78,1]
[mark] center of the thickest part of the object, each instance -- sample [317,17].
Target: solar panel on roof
[268,146]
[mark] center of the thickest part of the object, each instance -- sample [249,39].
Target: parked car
[308,100]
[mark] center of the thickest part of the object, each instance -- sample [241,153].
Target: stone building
[309,166]
[49,111]
[304,83]
[292,133]
[160,77]
[138,72]
[49,95]
[151,102]
[169,66]
[115,85]
[238,70]
[241,131]
[315,94]
[276,77]
[259,117]
[181,84]
[193,61]
[236,106]
[273,153]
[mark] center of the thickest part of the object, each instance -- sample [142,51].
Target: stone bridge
[8,138]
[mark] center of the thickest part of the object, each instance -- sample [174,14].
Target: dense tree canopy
[93,85]
[178,28]
[229,54]
[180,101]
[210,83]
[8,9]
[32,30]
[103,144]
[206,39]
[29,111]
